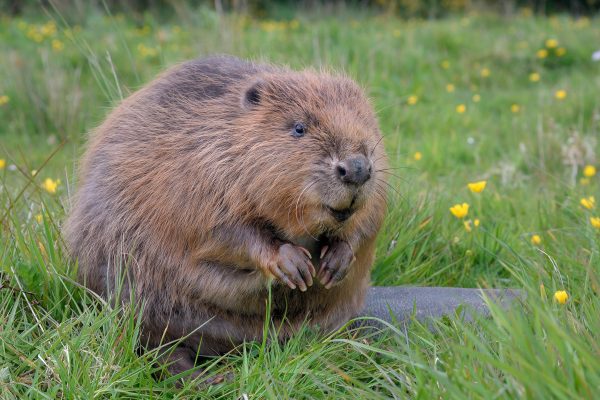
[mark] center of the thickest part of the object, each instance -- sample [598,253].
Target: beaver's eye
[299,130]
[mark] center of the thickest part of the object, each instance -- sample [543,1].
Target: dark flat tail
[400,303]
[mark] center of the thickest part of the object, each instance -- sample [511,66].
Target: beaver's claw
[336,259]
[293,267]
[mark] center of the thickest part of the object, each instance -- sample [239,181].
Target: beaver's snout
[354,170]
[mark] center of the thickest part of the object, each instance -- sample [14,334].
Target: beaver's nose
[354,170]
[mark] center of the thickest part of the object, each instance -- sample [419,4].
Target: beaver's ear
[252,95]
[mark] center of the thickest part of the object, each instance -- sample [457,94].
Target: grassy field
[512,101]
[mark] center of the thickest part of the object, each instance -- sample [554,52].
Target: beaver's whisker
[304,224]
[374,147]
[381,189]
[382,194]
[308,186]
[391,187]
[400,167]
[394,175]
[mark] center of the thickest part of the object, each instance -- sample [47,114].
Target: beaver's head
[314,142]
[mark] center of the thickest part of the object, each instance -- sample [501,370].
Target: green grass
[58,341]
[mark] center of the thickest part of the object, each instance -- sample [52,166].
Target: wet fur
[193,183]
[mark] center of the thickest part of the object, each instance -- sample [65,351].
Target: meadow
[512,101]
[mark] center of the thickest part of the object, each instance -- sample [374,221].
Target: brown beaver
[221,181]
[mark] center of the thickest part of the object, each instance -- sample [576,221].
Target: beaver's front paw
[336,259]
[293,267]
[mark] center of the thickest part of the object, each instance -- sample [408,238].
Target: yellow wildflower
[4,99]
[48,29]
[589,171]
[34,34]
[39,218]
[147,51]
[461,108]
[57,45]
[477,187]
[50,185]
[542,53]
[485,72]
[450,88]
[561,51]
[595,221]
[515,108]
[2,163]
[584,181]
[551,43]
[460,210]
[588,202]
[272,26]
[534,77]
[412,100]
[476,98]
[417,156]
[536,240]
[560,94]
[445,64]
[467,226]
[561,296]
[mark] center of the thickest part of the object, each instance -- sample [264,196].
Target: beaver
[226,190]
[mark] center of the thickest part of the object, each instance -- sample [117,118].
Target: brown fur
[196,184]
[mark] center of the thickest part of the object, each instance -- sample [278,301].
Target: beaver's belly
[314,245]
[258,295]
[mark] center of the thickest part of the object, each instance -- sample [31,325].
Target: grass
[61,79]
